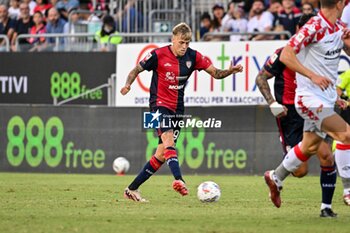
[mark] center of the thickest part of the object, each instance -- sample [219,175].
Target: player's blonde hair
[184,30]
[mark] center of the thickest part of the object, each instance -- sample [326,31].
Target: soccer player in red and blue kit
[172,65]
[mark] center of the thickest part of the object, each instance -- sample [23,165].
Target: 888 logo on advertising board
[66,85]
[34,141]
[37,142]
[199,152]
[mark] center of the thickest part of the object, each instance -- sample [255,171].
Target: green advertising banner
[88,139]
[39,78]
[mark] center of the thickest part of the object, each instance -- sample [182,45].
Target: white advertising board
[201,89]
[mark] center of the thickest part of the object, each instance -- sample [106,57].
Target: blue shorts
[290,128]
[171,120]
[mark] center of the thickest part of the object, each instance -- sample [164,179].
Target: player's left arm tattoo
[220,74]
[263,85]
[133,74]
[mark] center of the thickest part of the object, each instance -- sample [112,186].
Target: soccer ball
[208,191]
[121,165]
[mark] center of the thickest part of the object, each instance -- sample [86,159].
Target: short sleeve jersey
[318,46]
[285,84]
[170,75]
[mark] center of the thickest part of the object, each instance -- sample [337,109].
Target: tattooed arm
[131,78]
[277,109]
[263,85]
[220,74]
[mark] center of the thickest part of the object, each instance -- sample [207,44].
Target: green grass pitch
[95,203]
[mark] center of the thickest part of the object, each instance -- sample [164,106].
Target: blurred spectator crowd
[103,24]
[55,17]
[258,16]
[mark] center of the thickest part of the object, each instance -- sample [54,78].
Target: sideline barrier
[61,42]
[5,48]
[214,35]
[81,139]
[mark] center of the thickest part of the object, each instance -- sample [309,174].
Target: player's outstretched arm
[289,58]
[131,78]
[220,74]
[277,109]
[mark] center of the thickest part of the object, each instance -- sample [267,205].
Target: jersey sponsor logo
[167,64]
[176,87]
[333,52]
[170,77]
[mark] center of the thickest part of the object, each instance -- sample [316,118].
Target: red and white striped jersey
[318,46]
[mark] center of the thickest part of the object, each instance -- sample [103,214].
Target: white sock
[324,206]
[346,191]
[294,159]
[342,158]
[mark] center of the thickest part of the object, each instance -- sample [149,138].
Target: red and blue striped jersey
[170,75]
[285,83]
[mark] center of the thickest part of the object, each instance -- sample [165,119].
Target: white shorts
[313,110]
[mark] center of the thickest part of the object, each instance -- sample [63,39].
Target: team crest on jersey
[188,64]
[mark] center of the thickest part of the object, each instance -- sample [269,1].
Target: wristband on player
[276,108]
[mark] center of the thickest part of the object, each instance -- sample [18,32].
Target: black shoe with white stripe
[328,213]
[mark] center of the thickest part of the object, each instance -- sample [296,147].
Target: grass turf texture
[95,203]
